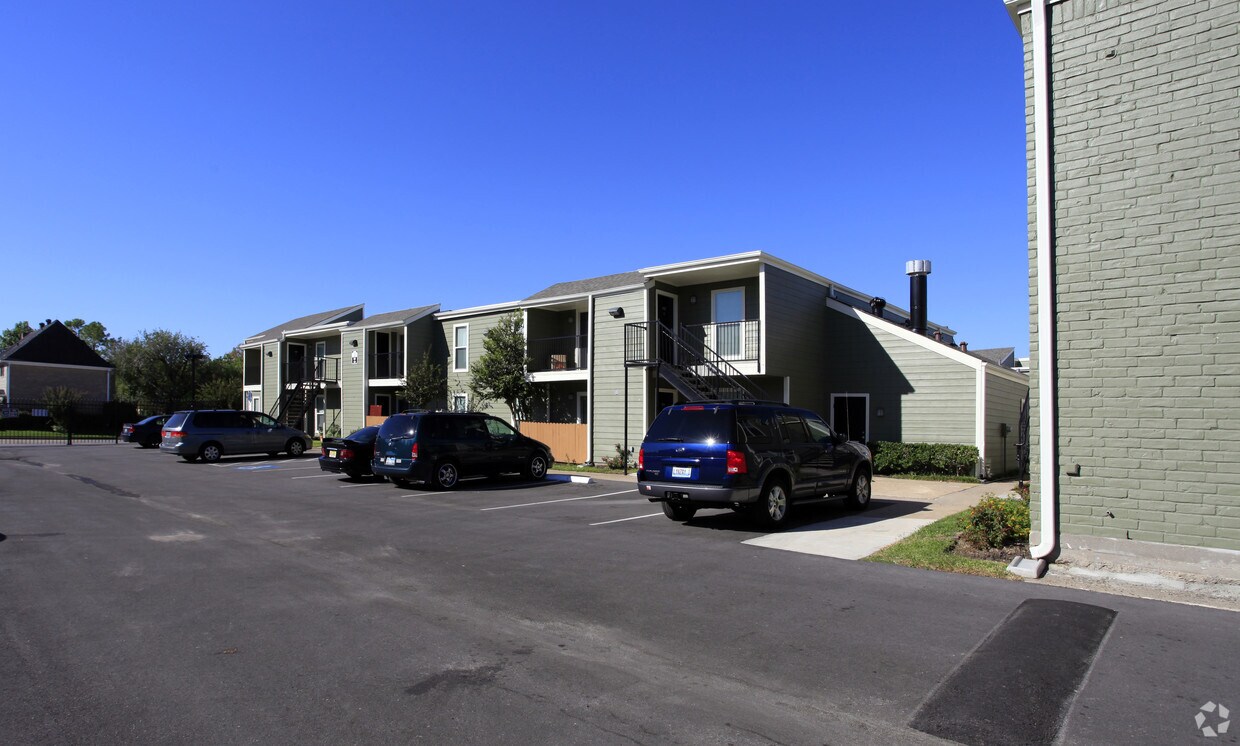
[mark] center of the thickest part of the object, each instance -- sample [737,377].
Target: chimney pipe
[877,305]
[964,346]
[917,270]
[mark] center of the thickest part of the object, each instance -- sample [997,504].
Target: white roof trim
[316,330]
[512,305]
[951,353]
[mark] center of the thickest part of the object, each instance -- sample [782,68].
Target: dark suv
[748,456]
[440,448]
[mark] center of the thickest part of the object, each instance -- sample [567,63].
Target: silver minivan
[211,433]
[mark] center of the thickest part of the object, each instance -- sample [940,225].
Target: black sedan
[145,433]
[350,455]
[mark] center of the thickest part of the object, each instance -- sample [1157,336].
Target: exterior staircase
[696,371]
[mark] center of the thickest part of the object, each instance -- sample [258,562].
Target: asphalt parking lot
[149,600]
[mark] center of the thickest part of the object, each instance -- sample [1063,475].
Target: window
[756,425]
[794,428]
[499,428]
[263,420]
[819,431]
[460,348]
[460,403]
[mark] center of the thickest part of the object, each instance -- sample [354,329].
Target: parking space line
[363,484]
[317,476]
[621,520]
[561,500]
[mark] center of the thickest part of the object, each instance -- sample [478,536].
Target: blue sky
[218,168]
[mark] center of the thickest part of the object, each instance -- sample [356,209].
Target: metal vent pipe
[917,270]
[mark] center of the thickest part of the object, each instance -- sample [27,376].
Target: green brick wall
[1146,120]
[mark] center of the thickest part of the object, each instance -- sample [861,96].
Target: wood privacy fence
[567,441]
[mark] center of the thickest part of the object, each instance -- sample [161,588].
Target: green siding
[458,382]
[1003,399]
[352,381]
[607,377]
[271,375]
[798,340]
[925,397]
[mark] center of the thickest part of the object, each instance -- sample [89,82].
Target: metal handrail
[685,358]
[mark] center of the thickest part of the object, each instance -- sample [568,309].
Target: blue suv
[755,457]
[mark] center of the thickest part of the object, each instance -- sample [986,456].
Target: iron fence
[82,422]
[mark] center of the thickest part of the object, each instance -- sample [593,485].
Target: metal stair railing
[718,379]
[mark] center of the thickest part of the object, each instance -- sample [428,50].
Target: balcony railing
[387,365]
[317,369]
[559,353]
[732,341]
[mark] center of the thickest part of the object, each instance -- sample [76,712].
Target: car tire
[860,489]
[771,510]
[211,452]
[353,474]
[400,482]
[446,475]
[190,458]
[678,513]
[149,443]
[295,447]
[536,467]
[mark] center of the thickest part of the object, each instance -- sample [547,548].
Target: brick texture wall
[1146,119]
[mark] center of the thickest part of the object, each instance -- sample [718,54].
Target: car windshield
[693,424]
[399,426]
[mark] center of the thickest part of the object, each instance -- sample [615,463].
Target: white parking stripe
[317,476]
[621,520]
[561,500]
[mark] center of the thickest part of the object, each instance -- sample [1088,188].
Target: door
[835,464]
[267,434]
[506,451]
[727,315]
[583,408]
[383,357]
[320,415]
[296,362]
[320,360]
[850,416]
[803,454]
[385,404]
[665,312]
[583,340]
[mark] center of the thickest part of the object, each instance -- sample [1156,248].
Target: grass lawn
[561,466]
[49,435]
[928,549]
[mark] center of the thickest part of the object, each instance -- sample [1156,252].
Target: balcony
[387,365]
[559,353]
[733,341]
[317,369]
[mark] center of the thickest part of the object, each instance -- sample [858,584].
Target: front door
[583,340]
[296,362]
[320,360]
[850,416]
[665,312]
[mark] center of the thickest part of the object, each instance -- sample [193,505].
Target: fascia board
[511,305]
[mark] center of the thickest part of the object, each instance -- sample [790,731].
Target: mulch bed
[961,547]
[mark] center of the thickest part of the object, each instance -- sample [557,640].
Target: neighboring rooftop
[592,285]
[54,343]
[305,322]
[1001,356]
[392,318]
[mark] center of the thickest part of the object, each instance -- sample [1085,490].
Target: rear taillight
[170,434]
[736,463]
[346,453]
[641,458]
[413,452]
[128,429]
[322,450]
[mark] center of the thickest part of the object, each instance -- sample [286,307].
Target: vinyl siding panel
[458,382]
[607,372]
[925,397]
[1003,400]
[271,375]
[798,342]
[352,381]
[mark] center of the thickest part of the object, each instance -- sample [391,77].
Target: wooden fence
[567,441]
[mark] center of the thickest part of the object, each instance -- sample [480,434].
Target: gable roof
[394,318]
[54,343]
[314,319]
[1005,356]
[591,285]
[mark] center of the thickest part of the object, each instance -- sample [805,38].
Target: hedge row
[947,459]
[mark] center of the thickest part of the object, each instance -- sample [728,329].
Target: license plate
[682,472]
[390,461]
[331,453]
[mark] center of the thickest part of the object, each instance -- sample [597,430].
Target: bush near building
[947,459]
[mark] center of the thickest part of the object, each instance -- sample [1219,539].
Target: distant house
[52,356]
[1133,146]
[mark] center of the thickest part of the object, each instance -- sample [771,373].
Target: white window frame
[464,402]
[868,432]
[712,339]
[456,348]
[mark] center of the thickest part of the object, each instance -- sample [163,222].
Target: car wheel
[149,443]
[859,493]
[772,508]
[446,476]
[211,453]
[678,512]
[353,474]
[536,467]
[191,459]
[295,447]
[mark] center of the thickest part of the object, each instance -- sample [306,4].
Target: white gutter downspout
[1048,445]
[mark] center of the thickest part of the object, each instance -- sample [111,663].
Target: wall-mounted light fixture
[353,343]
[693,300]
[616,313]
[270,353]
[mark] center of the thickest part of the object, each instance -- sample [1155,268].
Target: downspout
[1048,445]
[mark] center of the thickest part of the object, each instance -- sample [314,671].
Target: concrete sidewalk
[898,507]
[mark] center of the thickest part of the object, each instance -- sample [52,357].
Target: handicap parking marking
[561,500]
[255,467]
[621,520]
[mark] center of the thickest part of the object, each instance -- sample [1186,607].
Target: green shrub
[997,522]
[924,458]
[62,403]
[620,460]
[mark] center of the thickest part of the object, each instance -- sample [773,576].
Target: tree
[425,384]
[14,335]
[92,333]
[500,373]
[220,380]
[154,367]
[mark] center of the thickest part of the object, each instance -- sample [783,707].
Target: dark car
[350,455]
[145,433]
[755,457]
[439,448]
[211,433]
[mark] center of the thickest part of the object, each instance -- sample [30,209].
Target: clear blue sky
[303,156]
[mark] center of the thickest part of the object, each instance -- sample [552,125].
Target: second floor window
[460,347]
